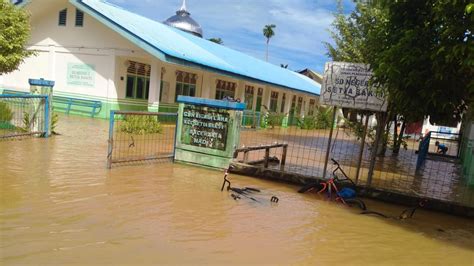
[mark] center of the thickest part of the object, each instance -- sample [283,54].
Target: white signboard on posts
[347,85]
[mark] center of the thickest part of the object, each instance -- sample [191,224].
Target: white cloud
[302,25]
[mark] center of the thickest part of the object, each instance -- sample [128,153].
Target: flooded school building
[132,141]
[96,51]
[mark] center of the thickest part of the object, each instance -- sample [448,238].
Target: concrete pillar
[111,81]
[212,86]
[266,96]
[305,106]
[301,114]
[154,92]
[171,74]
[279,101]
[255,94]
[288,99]
[240,91]
[199,83]
[203,81]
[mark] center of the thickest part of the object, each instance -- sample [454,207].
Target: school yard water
[60,205]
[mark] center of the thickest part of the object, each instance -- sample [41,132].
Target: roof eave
[182,62]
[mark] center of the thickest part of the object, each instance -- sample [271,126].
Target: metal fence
[140,136]
[440,176]
[24,115]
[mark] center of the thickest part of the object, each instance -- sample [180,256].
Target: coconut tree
[268,33]
[216,40]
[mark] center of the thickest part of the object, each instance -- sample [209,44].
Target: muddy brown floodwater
[60,205]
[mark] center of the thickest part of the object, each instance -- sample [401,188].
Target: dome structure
[183,21]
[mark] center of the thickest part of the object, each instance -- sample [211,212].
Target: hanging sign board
[347,85]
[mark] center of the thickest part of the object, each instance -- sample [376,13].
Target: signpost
[348,85]
[208,131]
[205,127]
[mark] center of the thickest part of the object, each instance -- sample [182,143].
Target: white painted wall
[58,46]
[107,51]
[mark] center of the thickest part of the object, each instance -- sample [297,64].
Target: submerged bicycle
[245,192]
[345,192]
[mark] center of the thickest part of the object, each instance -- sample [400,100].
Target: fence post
[329,142]
[373,156]
[46,116]
[362,146]
[283,157]
[111,139]
[267,156]
[175,136]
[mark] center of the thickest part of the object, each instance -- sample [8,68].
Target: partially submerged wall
[373,193]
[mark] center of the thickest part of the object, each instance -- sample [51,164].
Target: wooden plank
[246,156]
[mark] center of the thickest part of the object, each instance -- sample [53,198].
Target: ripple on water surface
[60,205]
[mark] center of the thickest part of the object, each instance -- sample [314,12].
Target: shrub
[54,122]
[322,119]
[140,125]
[274,119]
[26,123]
[6,113]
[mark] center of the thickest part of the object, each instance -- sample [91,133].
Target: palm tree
[268,33]
[216,40]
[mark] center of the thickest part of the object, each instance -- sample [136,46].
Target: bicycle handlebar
[334,161]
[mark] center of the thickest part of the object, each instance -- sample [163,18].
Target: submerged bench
[70,102]
[267,157]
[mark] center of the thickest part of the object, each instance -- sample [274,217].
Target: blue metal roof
[175,46]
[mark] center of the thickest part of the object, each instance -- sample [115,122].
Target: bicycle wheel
[310,186]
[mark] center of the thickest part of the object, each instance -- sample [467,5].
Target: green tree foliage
[14,33]
[421,53]
[427,58]
[216,40]
[6,113]
[268,32]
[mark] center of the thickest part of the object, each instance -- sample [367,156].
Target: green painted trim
[107,105]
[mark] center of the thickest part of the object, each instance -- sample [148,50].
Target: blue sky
[302,25]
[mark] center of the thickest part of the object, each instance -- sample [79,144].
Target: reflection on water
[60,205]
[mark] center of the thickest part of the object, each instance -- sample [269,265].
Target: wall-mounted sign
[347,85]
[80,75]
[205,127]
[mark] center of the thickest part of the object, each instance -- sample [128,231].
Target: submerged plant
[54,122]
[140,125]
[6,113]
[320,120]
[275,119]
[26,123]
